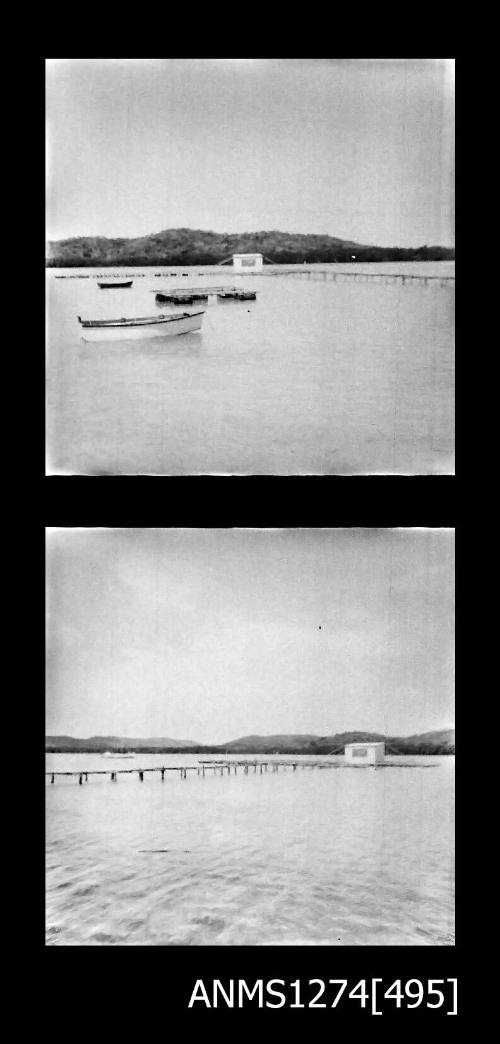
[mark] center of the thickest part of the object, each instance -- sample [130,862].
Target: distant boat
[117,754]
[137,329]
[115,286]
[237,295]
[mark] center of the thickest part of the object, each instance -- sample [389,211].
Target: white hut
[364,753]
[242,261]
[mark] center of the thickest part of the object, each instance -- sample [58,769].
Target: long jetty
[330,275]
[218,767]
[113,773]
[298,271]
[201,768]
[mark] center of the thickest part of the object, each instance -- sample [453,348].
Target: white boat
[116,754]
[137,329]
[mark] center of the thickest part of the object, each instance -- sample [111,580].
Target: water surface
[340,856]
[314,377]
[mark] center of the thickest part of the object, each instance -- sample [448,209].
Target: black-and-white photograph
[250,737]
[250,266]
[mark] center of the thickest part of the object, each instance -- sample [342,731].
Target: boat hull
[114,286]
[186,324]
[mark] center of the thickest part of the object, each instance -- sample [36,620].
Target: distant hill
[437,742]
[99,743]
[185,246]
[429,742]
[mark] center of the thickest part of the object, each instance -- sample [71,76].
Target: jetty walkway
[218,767]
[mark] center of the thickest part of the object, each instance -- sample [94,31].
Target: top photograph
[250,266]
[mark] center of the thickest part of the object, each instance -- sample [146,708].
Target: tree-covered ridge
[185,246]
[437,742]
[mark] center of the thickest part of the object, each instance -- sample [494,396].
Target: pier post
[294,765]
[246,770]
[203,770]
[86,777]
[162,775]
[141,775]
[255,767]
[80,780]
[52,778]
[113,777]
[261,769]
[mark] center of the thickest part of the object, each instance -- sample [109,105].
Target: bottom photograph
[250,737]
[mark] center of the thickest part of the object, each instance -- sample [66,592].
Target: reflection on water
[314,376]
[351,857]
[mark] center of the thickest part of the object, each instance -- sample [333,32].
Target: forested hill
[437,742]
[185,246]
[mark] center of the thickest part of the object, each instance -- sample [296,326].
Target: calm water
[334,857]
[315,376]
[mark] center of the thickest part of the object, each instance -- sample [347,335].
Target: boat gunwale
[121,324]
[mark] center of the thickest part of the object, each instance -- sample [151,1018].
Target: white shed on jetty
[241,261]
[364,753]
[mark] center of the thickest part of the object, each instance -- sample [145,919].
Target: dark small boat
[115,286]
[175,298]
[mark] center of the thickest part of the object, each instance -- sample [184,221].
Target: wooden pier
[220,766]
[113,773]
[217,767]
[330,275]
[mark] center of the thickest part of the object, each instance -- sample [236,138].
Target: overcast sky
[213,634]
[356,148]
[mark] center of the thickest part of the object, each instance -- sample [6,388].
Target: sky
[209,635]
[360,149]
